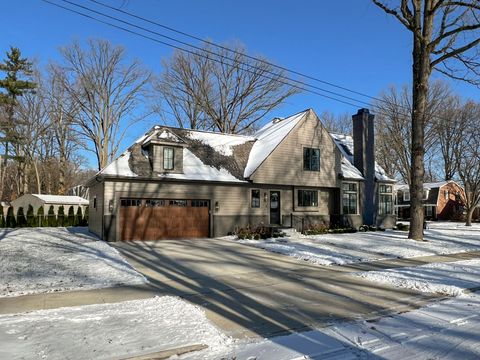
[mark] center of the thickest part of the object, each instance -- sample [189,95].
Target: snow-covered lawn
[443,278]
[108,331]
[445,330]
[328,249]
[39,260]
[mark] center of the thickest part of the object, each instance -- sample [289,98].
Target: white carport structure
[39,200]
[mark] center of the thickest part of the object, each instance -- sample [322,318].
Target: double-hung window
[349,198]
[168,157]
[311,159]
[386,200]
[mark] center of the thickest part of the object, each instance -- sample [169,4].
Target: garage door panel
[166,221]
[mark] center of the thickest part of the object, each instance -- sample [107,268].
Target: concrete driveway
[250,292]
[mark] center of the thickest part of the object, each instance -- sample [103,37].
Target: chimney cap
[363,111]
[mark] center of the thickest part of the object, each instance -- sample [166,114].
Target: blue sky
[351,43]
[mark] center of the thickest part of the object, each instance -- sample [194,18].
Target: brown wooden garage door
[156,219]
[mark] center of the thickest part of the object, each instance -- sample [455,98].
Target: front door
[275,207]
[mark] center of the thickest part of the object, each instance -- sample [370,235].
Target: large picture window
[385,200]
[349,198]
[311,159]
[255,198]
[168,156]
[307,197]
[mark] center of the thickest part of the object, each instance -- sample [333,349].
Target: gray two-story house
[180,183]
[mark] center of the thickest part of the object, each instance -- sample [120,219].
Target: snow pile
[222,143]
[307,250]
[445,330]
[442,238]
[195,169]
[43,260]
[108,331]
[441,278]
[268,138]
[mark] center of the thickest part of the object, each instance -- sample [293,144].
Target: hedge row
[40,219]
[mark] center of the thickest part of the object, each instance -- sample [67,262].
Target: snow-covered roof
[61,199]
[348,170]
[193,167]
[268,138]
[222,143]
[119,166]
[431,185]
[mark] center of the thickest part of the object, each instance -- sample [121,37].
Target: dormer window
[168,158]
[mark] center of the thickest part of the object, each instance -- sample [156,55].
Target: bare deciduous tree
[467,156]
[107,91]
[445,34]
[30,130]
[449,132]
[340,124]
[228,93]
[393,127]
[62,112]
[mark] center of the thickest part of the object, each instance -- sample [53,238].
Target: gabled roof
[206,156]
[224,157]
[348,170]
[61,199]
[268,138]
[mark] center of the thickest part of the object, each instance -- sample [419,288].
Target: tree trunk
[37,177]
[469,216]
[421,75]
[61,179]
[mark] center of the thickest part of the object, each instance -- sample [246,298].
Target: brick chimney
[364,160]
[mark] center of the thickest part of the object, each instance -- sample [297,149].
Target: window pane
[154,203]
[180,203]
[315,166]
[311,159]
[306,159]
[168,155]
[199,203]
[255,198]
[307,198]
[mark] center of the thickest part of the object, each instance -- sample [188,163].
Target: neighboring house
[39,200]
[179,183]
[441,200]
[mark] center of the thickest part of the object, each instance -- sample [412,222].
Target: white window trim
[406,195]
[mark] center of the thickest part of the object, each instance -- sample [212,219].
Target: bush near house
[21,219]
[41,217]
[2,218]
[70,217]
[51,217]
[61,216]
[85,218]
[10,222]
[78,217]
[31,218]
[403,227]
